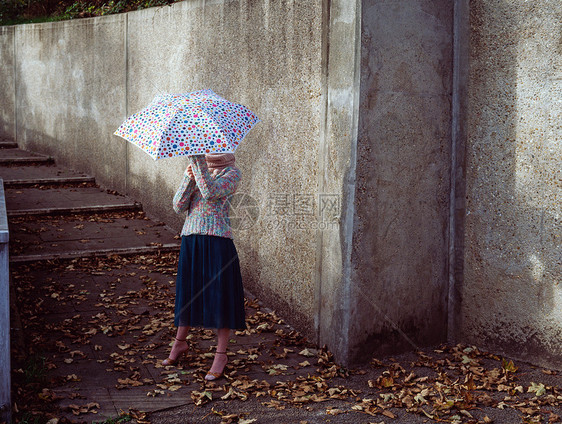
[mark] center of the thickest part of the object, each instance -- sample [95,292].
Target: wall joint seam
[14,58]
[455,223]
[126,48]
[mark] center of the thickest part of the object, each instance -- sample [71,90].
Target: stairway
[57,213]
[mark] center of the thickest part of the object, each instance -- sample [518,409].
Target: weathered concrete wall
[336,177]
[70,91]
[7,84]
[400,234]
[268,56]
[78,80]
[512,296]
[350,168]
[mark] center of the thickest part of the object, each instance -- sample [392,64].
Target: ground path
[93,290]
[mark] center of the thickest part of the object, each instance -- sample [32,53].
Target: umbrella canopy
[194,123]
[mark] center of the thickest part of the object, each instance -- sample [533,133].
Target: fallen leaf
[73,377]
[539,389]
[509,366]
[388,414]
[306,352]
[201,398]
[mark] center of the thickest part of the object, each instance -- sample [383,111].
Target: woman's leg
[182,332]
[220,360]
[180,346]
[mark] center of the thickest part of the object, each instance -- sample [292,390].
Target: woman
[209,290]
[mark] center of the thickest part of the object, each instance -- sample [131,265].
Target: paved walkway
[93,294]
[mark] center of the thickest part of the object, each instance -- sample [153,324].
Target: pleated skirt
[209,291]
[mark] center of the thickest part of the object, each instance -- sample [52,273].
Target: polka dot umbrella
[188,124]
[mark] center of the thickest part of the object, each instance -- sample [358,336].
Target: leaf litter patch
[118,312]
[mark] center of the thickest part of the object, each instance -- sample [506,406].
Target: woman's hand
[190,172]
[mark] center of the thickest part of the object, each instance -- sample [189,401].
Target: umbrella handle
[189,172]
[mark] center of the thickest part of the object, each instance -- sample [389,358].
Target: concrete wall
[70,91]
[268,56]
[358,168]
[400,234]
[78,80]
[7,83]
[336,179]
[512,296]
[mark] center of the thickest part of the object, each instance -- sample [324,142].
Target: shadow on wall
[6,135]
[511,298]
[400,254]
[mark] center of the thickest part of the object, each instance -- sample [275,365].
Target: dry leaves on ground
[132,327]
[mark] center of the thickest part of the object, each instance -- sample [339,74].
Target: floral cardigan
[205,199]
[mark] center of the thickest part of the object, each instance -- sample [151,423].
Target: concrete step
[18,153]
[75,210]
[26,160]
[56,213]
[124,251]
[26,175]
[125,233]
[58,201]
[21,157]
[48,181]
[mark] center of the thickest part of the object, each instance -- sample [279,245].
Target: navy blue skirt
[209,291]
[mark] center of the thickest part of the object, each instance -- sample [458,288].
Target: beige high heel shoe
[214,375]
[173,361]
